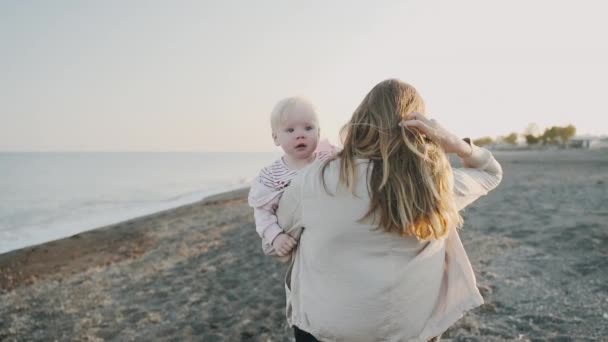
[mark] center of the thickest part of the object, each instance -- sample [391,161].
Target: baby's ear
[274,138]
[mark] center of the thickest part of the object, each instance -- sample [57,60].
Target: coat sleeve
[481,173]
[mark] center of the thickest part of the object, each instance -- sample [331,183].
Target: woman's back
[352,275]
[351,281]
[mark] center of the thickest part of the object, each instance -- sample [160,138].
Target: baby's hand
[283,244]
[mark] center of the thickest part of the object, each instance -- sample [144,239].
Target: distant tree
[483,141]
[550,135]
[532,139]
[532,134]
[511,139]
[532,129]
[557,134]
[565,133]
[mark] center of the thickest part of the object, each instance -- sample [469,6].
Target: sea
[48,196]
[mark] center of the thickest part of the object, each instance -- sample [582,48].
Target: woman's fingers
[419,121]
[432,129]
[419,117]
[412,116]
[428,127]
[420,125]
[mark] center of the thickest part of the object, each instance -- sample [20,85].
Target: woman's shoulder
[309,178]
[330,168]
[325,165]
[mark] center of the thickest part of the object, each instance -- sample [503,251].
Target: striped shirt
[265,194]
[278,175]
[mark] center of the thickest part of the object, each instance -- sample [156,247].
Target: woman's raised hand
[448,141]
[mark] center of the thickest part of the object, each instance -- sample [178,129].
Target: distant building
[588,142]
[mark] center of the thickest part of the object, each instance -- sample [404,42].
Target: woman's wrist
[465,148]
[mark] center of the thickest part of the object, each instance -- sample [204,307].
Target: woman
[379,257]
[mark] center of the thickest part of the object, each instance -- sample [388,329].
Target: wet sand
[538,244]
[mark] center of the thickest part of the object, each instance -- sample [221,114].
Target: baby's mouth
[299,146]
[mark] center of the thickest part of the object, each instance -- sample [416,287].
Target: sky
[204,75]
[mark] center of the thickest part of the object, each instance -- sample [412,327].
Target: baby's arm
[264,201]
[266,221]
[275,240]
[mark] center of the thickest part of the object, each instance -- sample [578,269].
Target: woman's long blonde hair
[411,179]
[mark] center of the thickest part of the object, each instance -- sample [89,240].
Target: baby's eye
[289,130]
[309,128]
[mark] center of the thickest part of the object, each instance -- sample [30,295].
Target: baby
[295,128]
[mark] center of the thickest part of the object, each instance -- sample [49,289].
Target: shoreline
[101,220]
[26,265]
[73,226]
[192,273]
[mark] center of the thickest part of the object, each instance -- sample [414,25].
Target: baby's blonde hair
[287,105]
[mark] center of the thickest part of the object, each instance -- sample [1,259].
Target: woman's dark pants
[303,336]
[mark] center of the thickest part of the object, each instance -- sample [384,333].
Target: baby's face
[298,133]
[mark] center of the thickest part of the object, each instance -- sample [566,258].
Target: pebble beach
[538,245]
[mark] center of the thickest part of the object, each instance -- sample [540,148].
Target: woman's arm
[481,173]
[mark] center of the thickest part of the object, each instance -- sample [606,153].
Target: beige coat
[349,282]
